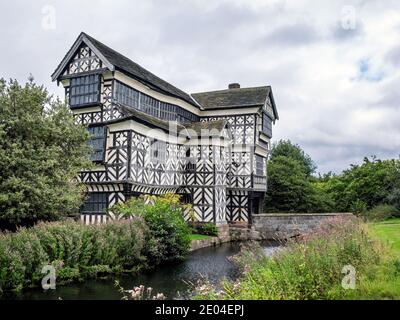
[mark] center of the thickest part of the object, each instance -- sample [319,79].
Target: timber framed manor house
[150,137]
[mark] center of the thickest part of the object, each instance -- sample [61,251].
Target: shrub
[381,212]
[208,229]
[75,250]
[169,234]
[358,207]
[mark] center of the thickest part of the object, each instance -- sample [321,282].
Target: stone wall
[282,226]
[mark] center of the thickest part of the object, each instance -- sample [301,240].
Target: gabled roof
[116,61]
[235,98]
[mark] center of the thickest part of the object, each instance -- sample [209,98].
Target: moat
[175,281]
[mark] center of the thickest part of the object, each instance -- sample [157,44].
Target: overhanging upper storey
[88,55]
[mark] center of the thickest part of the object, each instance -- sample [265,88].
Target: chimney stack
[234,86]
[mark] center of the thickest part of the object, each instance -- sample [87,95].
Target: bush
[75,250]
[312,268]
[208,229]
[169,234]
[381,212]
[358,207]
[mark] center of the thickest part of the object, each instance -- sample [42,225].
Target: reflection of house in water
[146,136]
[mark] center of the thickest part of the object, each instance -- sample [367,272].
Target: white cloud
[336,113]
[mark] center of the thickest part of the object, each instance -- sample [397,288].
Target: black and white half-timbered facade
[149,137]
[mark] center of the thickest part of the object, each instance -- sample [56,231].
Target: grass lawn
[199,237]
[388,231]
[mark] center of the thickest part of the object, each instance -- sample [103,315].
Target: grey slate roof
[125,64]
[229,98]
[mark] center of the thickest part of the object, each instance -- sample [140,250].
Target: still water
[172,280]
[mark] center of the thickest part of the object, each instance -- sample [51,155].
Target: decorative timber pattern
[84,61]
[242,127]
[220,179]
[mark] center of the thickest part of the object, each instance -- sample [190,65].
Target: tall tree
[41,152]
[291,188]
[288,149]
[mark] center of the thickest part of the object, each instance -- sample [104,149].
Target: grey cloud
[299,34]
[393,56]
[339,33]
[201,45]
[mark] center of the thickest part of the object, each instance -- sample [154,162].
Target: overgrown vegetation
[153,234]
[41,151]
[74,249]
[170,234]
[312,268]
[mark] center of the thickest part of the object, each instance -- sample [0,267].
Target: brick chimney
[234,86]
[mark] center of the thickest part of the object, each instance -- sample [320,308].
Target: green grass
[199,237]
[388,231]
[312,268]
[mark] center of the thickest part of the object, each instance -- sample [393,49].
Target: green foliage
[288,187]
[285,148]
[75,250]
[358,207]
[41,151]
[208,229]
[312,268]
[381,212]
[372,183]
[169,236]
[291,188]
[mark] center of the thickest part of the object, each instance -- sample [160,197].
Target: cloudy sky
[334,66]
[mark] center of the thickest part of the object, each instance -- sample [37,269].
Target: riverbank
[174,280]
[343,259]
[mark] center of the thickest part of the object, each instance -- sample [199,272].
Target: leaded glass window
[127,95]
[96,202]
[144,103]
[267,125]
[259,165]
[97,142]
[84,90]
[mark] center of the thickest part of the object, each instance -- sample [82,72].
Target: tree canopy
[41,152]
[291,188]
[286,148]
[367,185]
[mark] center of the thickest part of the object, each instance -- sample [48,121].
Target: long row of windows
[142,102]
